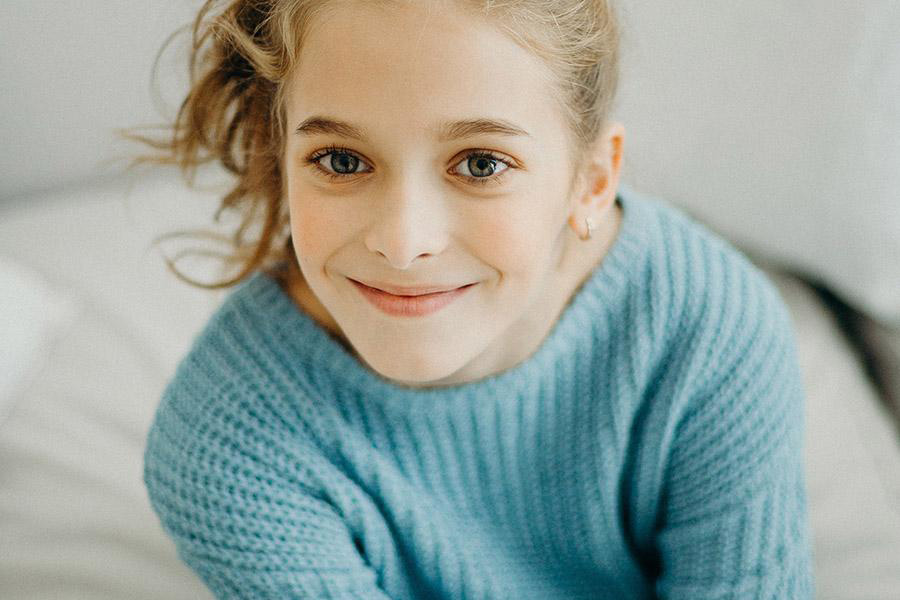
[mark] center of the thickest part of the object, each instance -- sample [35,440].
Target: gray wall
[70,73]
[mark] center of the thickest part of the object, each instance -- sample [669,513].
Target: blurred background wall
[103,50]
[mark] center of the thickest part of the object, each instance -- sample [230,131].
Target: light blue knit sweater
[652,447]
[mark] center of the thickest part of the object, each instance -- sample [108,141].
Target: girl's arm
[240,509]
[734,513]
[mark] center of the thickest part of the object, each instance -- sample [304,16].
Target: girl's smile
[418,305]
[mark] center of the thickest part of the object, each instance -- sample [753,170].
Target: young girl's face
[425,148]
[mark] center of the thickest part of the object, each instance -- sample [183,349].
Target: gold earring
[589,222]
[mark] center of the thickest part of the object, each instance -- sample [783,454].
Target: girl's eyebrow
[451,130]
[455,130]
[325,125]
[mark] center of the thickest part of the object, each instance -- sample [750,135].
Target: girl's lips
[409,291]
[409,306]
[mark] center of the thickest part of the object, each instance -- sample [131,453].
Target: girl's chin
[412,369]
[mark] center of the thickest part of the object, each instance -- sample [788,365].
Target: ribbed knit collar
[297,339]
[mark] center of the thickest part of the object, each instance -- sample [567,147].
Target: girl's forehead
[421,65]
[427,31]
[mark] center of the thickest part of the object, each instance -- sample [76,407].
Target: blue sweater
[652,447]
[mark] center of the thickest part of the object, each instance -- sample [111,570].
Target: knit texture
[652,446]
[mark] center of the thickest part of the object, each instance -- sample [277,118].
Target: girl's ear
[600,178]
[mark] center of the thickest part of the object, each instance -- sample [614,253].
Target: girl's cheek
[506,243]
[311,229]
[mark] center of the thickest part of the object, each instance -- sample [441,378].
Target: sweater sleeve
[734,520]
[233,497]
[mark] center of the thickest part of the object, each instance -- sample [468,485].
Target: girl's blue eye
[341,162]
[344,163]
[483,167]
[479,167]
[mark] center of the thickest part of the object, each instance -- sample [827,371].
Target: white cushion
[852,459]
[93,326]
[94,242]
[778,125]
[33,314]
[74,513]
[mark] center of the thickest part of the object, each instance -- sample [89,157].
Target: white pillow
[32,315]
[84,385]
[852,459]
[94,242]
[777,124]
[74,514]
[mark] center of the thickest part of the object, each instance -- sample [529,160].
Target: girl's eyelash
[319,154]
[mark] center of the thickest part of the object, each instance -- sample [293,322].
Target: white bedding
[852,459]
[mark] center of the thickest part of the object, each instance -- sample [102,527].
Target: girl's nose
[409,220]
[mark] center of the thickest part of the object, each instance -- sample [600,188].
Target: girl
[462,360]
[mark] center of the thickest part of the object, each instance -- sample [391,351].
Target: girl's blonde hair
[243,51]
